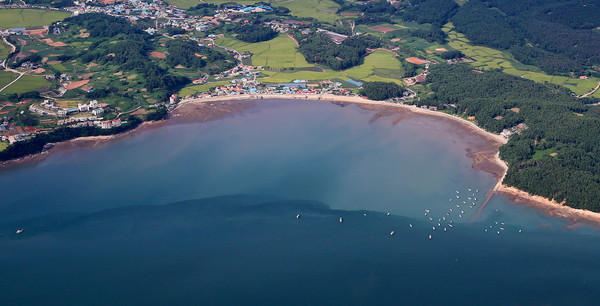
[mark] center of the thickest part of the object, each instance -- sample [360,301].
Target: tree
[381,90]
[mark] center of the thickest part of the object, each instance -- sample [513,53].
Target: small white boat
[457,191]
[430,237]
[445,230]
[469,189]
[297,216]
[457,197]
[520,231]
[498,232]
[19,231]
[460,216]
[365,215]
[341,220]
[410,225]
[392,233]
[450,225]
[450,209]
[388,214]
[450,200]
[433,227]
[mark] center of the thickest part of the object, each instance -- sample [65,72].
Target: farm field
[4,50]
[29,18]
[322,10]
[24,84]
[488,58]
[378,66]
[279,52]
[6,77]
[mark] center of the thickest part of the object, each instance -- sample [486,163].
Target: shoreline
[202,109]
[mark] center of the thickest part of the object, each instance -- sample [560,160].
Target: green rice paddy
[4,50]
[24,84]
[279,52]
[29,18]
[322,10]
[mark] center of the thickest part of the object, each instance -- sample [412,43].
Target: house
[98,111]
[105,125]
[83,107]
[174,98]
[62,112]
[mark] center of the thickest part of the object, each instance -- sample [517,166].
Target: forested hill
[557,156]
[558,36]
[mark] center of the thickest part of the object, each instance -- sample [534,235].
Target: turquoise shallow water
[205,213]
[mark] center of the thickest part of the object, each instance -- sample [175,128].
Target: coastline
[485,158]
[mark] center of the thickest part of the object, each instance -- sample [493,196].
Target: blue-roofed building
[18,30]
[353,82]
[292,85]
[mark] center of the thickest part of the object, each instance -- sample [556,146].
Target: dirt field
[416,60]
[77,84]
[381,29]
[52,43]
[158,54]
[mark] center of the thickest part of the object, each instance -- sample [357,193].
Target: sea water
[246,210]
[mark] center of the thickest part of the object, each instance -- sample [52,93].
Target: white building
[98,111]
[83,107]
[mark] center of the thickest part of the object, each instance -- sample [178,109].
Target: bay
[205,213]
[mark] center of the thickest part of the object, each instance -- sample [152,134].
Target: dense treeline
[576,14]
[36,144]
[184,52]
[557,122]
[251,33]
[451,54]
[485,26]
[102,25]
[320,49]
[555,44]
[202,9]
[381,90]
[435,12]
[189,54]
[554,35]
[435,34]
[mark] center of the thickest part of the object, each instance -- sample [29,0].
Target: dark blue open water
[205,213]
